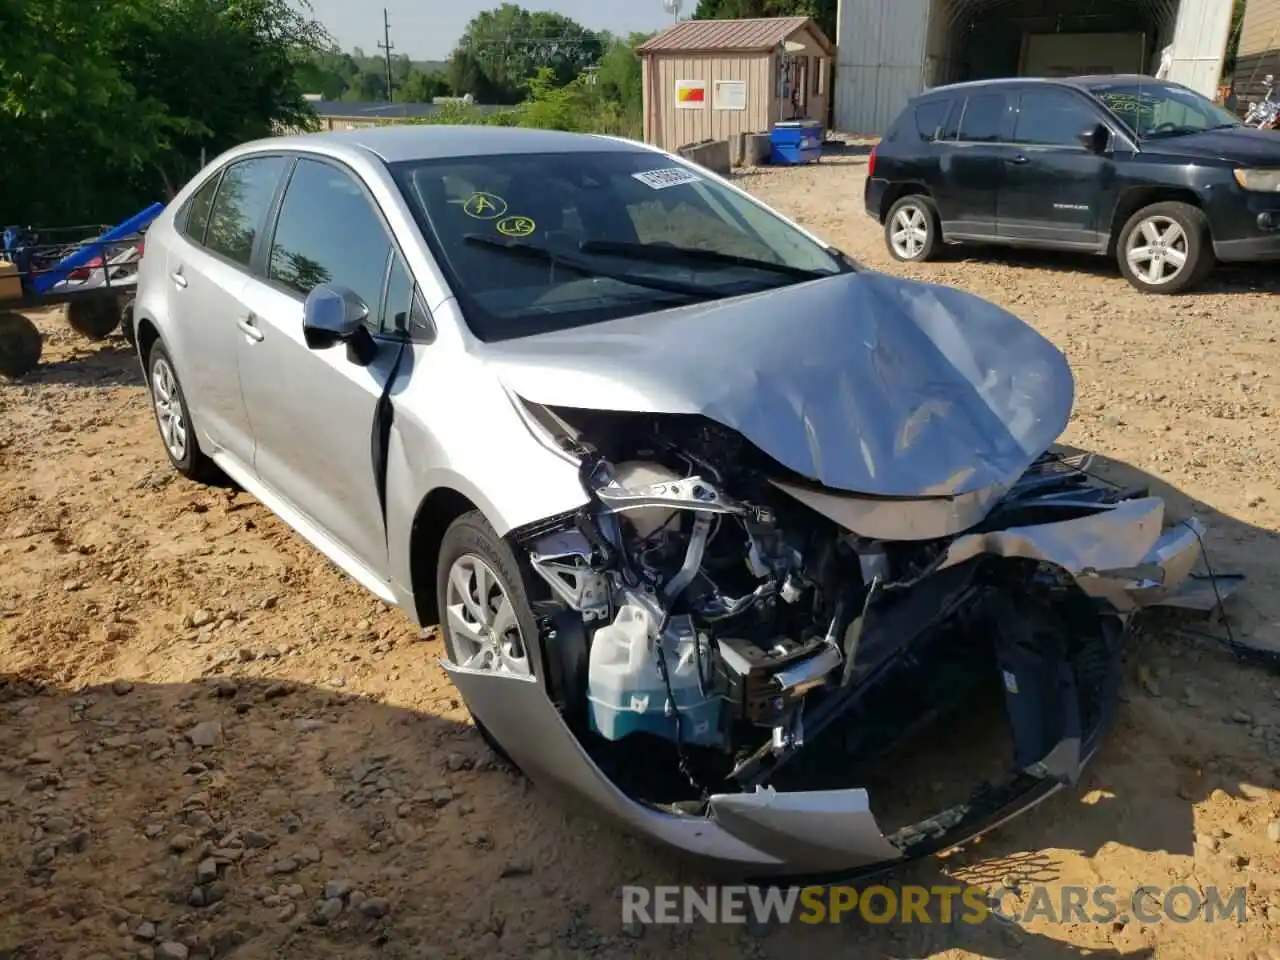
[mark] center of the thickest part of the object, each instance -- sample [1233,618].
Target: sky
[428,29]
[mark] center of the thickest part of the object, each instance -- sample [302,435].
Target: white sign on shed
[730,95]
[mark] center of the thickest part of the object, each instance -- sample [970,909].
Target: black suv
[1127,166]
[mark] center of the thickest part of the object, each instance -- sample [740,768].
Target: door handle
[249,328]
[1019,159]
[178,279]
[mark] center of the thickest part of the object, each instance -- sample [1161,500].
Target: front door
[1054,191]
[313,411]
[970,165]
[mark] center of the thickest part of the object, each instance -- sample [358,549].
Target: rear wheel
[20,345]
[1165,248]
[911,229]
[173,418]
[94,318]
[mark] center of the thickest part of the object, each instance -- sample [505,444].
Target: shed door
[1199,42]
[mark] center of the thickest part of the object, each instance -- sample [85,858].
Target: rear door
[971,164]
[1054,191]
[920,149]
[208,270]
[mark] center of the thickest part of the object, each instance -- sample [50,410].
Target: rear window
[931,116]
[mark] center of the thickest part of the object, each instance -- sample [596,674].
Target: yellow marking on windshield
[484,206]
[516,227]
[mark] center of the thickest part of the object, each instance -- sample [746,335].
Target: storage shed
[711,79]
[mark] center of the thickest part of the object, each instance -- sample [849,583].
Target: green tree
[422,86]
[823,12]
[620,77]
[502,50]
[107,107]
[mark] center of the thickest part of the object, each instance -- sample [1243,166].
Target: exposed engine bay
[713,627]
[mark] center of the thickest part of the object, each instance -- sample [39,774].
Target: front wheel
[911,229]
[1165,248]
[486,620]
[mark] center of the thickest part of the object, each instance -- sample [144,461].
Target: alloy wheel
[169,412]
[910,232]
[482,620]
[1157,250]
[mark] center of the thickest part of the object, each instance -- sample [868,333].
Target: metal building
[890,50]
[711,79]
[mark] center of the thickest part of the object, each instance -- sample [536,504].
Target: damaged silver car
[714,521]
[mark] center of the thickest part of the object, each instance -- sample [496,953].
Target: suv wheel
[1165,248]
[911,229]
[174,419]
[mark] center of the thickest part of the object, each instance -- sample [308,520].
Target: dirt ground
[343,806]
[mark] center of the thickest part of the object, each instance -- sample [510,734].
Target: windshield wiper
[532,251]
[662,253]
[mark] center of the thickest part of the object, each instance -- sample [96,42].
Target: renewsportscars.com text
[934,904]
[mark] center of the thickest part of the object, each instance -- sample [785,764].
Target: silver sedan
[714,520]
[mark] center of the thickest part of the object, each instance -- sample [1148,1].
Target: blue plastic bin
[795,141]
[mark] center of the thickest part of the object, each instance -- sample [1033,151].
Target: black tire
[472,534]
[1195,245]
[127,329]
[192,463]
[924,216]
[94,318]
[20,345]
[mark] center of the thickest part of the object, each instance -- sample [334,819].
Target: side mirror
[1095,139]
[332,315]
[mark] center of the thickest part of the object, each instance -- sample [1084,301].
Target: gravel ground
[213,743]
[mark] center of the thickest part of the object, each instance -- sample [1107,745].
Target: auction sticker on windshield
[670,177]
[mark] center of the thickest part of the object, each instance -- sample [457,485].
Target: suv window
[983,120]
[329,232]
[244,194]
[1052,118]
[195,218]
[930,117]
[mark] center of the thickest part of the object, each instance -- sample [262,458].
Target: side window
[951,126]
[930,117]
[329,232]
[983,120]
[196,216]
[244,194]
[1052,118]
[399,299]
[402,306]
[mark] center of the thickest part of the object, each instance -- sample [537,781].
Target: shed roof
[761,34]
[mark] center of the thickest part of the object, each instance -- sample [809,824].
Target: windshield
[1158,109]
[537,242]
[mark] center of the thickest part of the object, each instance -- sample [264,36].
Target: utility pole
[386,48]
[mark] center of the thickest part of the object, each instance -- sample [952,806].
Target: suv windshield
[537,242]
[1157,109]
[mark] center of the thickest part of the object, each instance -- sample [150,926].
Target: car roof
[399,142]
[1084,82]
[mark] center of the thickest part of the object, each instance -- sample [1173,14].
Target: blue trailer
[91,270]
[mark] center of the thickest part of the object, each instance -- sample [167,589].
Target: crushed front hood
[861,382]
